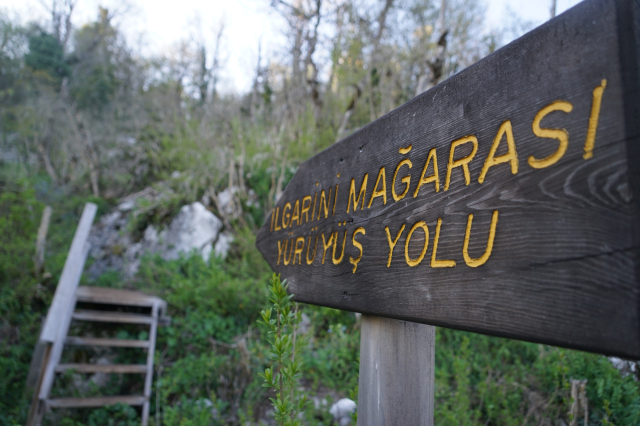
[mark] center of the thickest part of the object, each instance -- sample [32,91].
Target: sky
[155,26]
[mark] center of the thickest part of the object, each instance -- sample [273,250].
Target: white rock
[222,245]
[319,402]
[252,199]
[342,410]
[207,403]
[127,139]
[109,220]
[305,324]
[624,367]
[227,203]
[127,205]
[113,247]
[150,238]
[131,268]
[194,227]
[101,379]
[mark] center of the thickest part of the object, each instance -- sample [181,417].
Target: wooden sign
[502,201]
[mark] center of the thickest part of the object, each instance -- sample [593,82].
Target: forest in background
[85,117]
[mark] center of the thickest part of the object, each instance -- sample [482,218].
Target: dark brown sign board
[503,201]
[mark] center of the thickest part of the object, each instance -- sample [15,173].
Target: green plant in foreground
[285,352]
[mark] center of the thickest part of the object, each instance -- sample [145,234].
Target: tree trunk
[382,18]
[435,68]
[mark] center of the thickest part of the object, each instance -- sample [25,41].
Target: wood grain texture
[564,269]
[103,368]
[397,364]
[112,343]
[99,401]
[120,297]
[115,317]
[70,276]
[63,322]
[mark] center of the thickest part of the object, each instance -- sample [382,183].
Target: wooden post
[397,363]
[38,260]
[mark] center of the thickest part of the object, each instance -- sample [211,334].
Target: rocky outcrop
[193,229]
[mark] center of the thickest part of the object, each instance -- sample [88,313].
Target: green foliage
[115,415]
[24,298]
[208,359]
[47,56]
[94,83]
[13,43]
[334,362]
[489,380]
[204,368]
[189,412]
[19,220]
[282,322]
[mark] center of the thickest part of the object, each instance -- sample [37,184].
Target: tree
[93,83]
[46,56]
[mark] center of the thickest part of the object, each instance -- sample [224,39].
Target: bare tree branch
[382,18]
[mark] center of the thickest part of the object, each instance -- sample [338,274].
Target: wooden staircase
[108,306]
[113,298]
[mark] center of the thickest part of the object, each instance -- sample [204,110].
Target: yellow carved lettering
[511,156]
[296,213]
[560,134]
[335,199]
[277,228]
[287,215]
[406,180]
[392,243]
[416,262]
[313,212]
[593,120]
[406,150]
[361,195]
[474,263]
[284,257]
[462,162]
[309,262]
[355,261]
[298,251]
[305,209]
[273,211]
[282,248]
[335,245]
[325,246]
[434,177]
[324,202]
[435,263]
[379,192]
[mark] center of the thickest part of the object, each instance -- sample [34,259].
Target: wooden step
[108,316]
[112,296]
[113,343]
[103,368]
[100,401]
